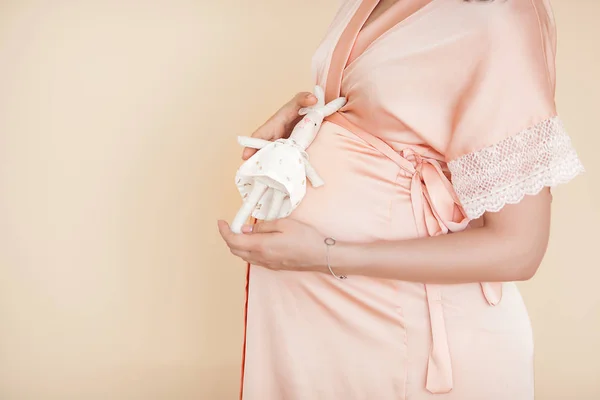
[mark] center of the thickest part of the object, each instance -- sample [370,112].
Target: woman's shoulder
[503,15]
[507,29]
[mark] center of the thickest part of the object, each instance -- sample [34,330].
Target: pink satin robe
[436,89]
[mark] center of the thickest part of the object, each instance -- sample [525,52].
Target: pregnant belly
[363,197]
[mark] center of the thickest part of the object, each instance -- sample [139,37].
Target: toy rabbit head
[306,129]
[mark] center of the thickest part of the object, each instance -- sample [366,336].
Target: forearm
[476,255]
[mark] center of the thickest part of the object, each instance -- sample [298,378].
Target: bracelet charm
[329,241]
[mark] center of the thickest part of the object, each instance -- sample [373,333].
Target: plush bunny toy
[273,181]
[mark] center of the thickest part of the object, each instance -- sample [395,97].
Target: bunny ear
[320,95]
[334,105]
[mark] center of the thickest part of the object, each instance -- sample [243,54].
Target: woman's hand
[282,244]
[280,125]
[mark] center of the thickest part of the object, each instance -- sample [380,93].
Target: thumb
[263,227]
[248,152]
[304,99]
[289,113]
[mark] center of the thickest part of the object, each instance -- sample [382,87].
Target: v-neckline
[383,15]
[356,37]
[389,18]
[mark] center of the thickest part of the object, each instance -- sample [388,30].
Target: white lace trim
[523,164]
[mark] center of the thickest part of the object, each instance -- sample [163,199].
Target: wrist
[341,258]
[365,259]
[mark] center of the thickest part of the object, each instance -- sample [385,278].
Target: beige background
[117,153]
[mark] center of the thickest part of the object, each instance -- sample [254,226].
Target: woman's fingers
[235,241]
[244,255]
[282,122]
[246,247]
[273,226]
[300,100]
[248,152]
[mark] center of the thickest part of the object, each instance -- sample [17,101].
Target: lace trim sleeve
[523,164]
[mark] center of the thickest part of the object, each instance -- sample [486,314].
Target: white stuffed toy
[273,181]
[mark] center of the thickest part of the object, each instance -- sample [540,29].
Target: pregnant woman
[436,200]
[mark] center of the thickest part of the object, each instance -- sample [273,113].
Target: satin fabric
[427,83]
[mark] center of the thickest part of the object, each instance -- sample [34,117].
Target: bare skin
[508,246]
[379,9]
[499,247]
[280,125]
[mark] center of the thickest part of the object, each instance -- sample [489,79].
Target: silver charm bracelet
[329,241]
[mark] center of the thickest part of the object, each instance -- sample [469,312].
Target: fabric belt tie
[435,207]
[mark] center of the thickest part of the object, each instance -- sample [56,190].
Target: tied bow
[437,211]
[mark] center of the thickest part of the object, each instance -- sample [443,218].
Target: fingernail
[247,228]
